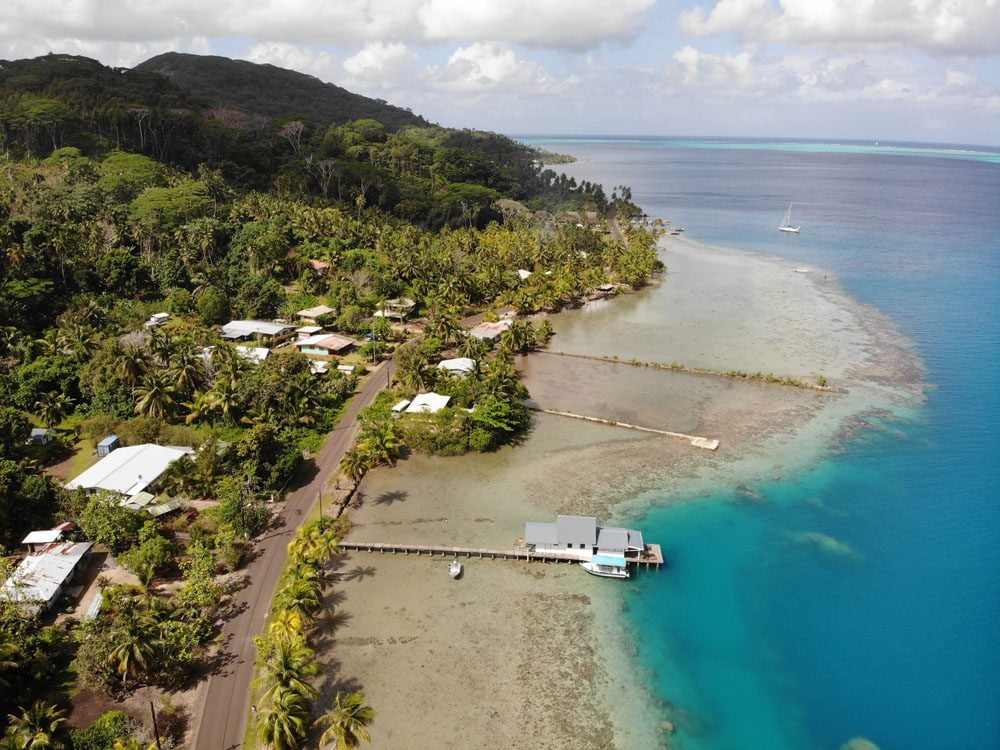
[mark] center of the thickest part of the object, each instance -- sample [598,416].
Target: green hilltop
[273,92]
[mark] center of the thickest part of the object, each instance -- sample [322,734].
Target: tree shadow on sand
[358,573]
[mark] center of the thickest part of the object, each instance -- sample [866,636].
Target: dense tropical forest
[213,190]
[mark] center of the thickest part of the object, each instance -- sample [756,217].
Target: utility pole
[156,732]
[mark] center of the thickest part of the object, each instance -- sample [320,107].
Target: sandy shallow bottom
[517,653]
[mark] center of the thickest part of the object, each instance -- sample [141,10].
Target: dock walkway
[651,556]
[710,444]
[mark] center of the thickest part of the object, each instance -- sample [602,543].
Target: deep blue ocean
[761,643]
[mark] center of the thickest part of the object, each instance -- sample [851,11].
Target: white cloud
[487,66]
[697,69]
[378,61]
[294,57]
[562,24]
[959,27]
[797,79]
[569,24]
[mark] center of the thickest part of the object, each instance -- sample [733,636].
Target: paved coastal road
[222,723]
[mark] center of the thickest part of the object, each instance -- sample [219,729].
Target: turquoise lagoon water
[893,635]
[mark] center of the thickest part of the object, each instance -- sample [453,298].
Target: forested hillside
[274,92]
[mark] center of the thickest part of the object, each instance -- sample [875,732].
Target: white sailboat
[786,223]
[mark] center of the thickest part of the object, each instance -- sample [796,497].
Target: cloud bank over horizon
[907,69]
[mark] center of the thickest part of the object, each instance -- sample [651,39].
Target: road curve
[222,723]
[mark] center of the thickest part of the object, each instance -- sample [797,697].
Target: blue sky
[888,69]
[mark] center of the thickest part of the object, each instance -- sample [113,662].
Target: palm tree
[199,407]
[187,371]
[301,594]
[161,344]
[355,463]
[155,396]
[10,657]
[287,664]
[39,727]
[471,347]
[380,443]
[287,625]
[132,364]
[347,721]
[283,720]
[314,544]
[136,647]
[223,397]
[53,408]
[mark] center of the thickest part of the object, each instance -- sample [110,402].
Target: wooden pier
[651,556]
[709,444]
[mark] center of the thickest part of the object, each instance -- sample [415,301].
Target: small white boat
[606,566]
[454,568]
[786,223]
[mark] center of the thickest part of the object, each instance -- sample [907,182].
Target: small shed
[401,406]
[39,436]
[38,539]
[107,445]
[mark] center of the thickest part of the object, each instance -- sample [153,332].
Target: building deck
[652,555]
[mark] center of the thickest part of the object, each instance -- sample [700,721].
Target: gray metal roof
[576,529]
[536,532]
[614,538]
[39,577]
[246,328]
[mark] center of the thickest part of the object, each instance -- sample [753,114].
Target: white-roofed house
[255,354]
[457,366]
[310,314]
[398,309]
[427,403]
[129,470]
[244,330]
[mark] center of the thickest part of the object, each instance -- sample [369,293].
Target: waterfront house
[457,366]
[490,331]
[427,403]
[582,533]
